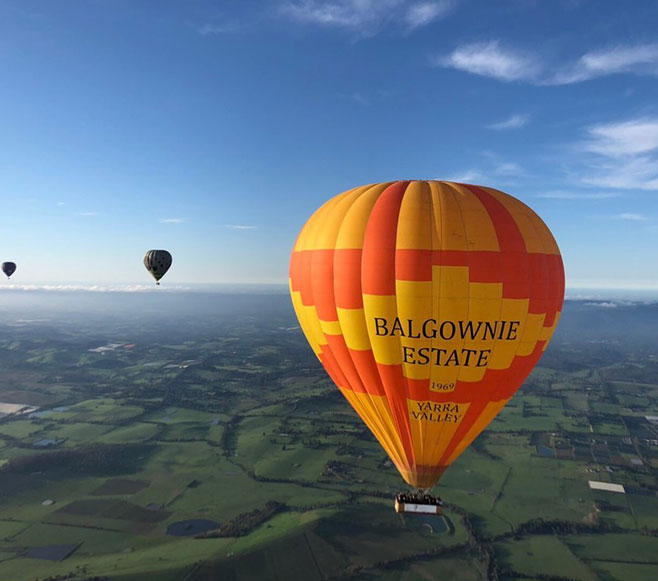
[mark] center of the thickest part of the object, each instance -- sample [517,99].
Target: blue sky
[214,129]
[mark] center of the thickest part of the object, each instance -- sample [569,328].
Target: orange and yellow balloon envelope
[428,303]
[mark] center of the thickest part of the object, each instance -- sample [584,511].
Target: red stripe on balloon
[514,261]
[393,381]
[413,265]
[341,355]
[300,275]
[365,364]
[378,265]
[322,284]
[347,278]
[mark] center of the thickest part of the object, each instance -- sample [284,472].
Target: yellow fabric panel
[414,301]
[549,243]
[486,290]
[469,373]
[485,309]
[447,228]
[547,332]
[308,235]
[415,218]
[477,225]
[489,413]
[376,414]
[505,350]
[353,325]
[479,310]
[436,215]
[309,322]
[451,282]
[484,304]
[443,379]
[353,227]
[386,349]
[532,329]
[330,327]
[324,234]
[433,424]
[532,239]
[451,302]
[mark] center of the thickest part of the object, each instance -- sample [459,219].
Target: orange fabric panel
[347,278]
[413,265]
[322,283]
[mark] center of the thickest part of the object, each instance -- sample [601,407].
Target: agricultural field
[221,420]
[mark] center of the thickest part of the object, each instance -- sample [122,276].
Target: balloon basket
[418,502]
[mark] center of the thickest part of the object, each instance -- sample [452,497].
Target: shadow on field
[358,536]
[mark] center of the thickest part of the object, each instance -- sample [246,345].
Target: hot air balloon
[428,303]
[157,262]
[9,268]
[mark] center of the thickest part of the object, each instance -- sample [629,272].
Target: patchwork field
[231,422]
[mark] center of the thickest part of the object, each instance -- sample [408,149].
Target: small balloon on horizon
[157,262]
[9,268]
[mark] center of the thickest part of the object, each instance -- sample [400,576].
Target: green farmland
[230,421]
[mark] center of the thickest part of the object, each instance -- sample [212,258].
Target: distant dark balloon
[157,262]
[9,268]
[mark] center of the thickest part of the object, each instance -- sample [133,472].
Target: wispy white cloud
[424,13]
[629,216]
[240,227]
[512,122]
[171,220]
[366,17]
[508,168]
[639,173]
[493,166]
[625,138]
[61,203]
[467,177]
[339,13]
[638,59]
[497,165]
[88,213]
[622,154]
[566,195]
[490,59]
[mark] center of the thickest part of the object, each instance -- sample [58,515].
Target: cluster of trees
[339,469]
[95,459]
[314,444]
[244,523]
[64,576]
[73,575]
[508,574]
[539,526]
